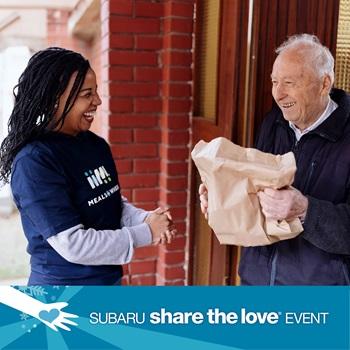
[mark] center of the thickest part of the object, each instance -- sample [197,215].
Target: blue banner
[59,317]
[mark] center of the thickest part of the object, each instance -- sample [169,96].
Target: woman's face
[82,114]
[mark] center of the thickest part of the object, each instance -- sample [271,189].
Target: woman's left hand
[167,236]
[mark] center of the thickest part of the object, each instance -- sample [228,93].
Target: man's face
[300,94]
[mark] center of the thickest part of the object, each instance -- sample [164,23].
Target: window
[342,67]
[206,59]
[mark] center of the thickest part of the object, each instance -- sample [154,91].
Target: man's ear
[326,85]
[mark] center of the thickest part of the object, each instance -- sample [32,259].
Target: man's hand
[203,196]
[283,204]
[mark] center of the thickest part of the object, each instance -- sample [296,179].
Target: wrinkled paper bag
[233,175]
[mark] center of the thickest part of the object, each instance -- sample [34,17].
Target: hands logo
[50,314]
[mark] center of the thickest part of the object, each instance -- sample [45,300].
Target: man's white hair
[309,47]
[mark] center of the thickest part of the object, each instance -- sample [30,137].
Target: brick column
[146,58]
[57,33]
[131,42]
[174,149]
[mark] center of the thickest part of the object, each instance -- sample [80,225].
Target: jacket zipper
[274,266]
[295,150]
[346,272]
[311,172]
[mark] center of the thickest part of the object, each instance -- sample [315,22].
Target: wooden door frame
[230,123]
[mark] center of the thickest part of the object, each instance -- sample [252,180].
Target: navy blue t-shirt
[58,182]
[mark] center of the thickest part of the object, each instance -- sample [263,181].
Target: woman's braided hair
[37,94]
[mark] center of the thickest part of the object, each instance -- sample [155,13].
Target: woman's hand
[161,225]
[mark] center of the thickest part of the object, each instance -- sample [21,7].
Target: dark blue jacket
[321,254]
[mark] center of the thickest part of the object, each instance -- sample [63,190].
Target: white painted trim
[13,17]
[42,4]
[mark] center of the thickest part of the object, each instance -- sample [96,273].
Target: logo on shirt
[103,196]
[97,177]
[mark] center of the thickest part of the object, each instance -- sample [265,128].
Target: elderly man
[312,120]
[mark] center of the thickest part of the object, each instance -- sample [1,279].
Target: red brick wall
[176,59]
[57,34]
[146,53]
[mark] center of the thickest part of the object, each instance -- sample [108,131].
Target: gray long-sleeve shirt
[104,247]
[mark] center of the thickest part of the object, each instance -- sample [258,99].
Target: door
[232,93]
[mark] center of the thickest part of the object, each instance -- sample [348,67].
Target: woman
[63,178]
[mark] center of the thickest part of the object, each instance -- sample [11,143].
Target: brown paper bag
[233,175]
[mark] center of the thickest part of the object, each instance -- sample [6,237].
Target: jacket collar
[333,127]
